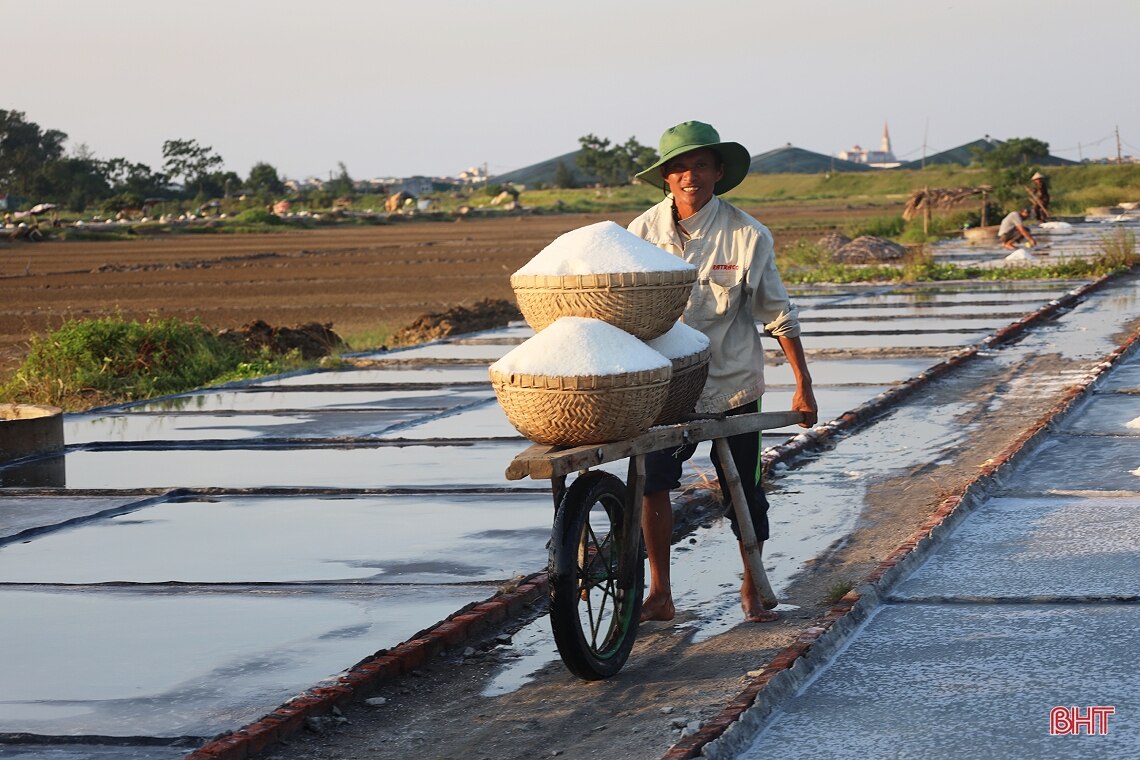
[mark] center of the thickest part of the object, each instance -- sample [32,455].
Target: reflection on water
[425,539]
[50,472]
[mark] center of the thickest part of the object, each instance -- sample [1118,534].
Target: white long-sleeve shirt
[737,286]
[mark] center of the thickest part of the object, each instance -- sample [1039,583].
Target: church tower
[886,147]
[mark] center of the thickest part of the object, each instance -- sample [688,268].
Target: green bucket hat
[691,135]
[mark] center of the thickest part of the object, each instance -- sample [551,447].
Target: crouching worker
[737,286]
[1012,229]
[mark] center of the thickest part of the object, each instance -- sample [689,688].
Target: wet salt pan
[679,342]
[602,248]
[578,346]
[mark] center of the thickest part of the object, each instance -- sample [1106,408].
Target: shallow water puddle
[139,427]
[254,400]
[413,466]
[420,539]
[277,643]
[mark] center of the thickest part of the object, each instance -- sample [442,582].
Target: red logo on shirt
[725,266]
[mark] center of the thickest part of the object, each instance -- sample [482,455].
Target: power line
[1081,145]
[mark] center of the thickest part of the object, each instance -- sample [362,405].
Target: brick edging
[951,506]
[369,674]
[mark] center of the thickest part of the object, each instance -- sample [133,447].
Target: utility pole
[1119,158]
[925,130]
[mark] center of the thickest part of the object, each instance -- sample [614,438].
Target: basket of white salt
[581,381]
[688,350]
[604,271]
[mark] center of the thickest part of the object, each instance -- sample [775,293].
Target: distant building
[417,185]
[475,175]
[882,158]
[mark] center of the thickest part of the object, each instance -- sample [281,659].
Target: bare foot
[756,608]
[763,616]
[657,608]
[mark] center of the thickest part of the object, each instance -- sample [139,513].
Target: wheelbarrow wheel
[593,619]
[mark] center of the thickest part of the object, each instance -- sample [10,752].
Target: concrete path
[1015,638]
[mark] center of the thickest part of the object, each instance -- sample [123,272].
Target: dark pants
[663,473]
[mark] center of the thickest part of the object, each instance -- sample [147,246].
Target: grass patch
[93,362]
[838,591]
[370,339]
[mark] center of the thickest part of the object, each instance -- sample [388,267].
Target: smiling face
[691,178]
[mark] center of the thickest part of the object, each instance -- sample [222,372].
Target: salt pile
[579,346]
[601,248]
[679,342]
[1019,255]
[1057,228]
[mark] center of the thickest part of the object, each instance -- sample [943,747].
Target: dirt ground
[361,279]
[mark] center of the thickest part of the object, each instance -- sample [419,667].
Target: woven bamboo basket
[644,304]
[585,409]
[685,386]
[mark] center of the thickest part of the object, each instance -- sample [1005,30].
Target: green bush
[879,226]
[258,215]
[112,360]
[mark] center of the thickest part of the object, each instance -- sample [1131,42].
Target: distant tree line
[34,167]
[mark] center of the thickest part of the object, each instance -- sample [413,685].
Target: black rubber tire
[594,622]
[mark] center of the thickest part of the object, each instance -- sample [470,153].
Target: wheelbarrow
[595,570]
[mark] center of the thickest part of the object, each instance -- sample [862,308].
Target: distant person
[738,286]
[1012,229]
[1039,195]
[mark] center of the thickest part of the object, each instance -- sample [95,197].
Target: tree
[342,185]
[615,165]
[24,151]
[1010,164]
[563,177]
[73,182]
[1017,151]
[217,185]
[263,180]
[134,179]
[189,160]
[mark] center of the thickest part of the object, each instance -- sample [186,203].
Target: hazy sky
[434,87]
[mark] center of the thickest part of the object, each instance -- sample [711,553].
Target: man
[1012,229]
[1039,195]
[737,286]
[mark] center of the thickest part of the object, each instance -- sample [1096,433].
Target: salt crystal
[579,346]
[602,248]
[680,341]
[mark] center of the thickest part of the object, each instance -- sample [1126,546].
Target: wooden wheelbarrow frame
[554,463]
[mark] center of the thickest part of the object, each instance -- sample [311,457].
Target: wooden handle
[744,522]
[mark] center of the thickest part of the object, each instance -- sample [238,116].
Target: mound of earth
[869,249]
[832,242]
[484,315]
[312,340]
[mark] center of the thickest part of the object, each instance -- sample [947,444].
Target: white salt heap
[602,248]
[1134,423]
[679,342]
[578,346]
